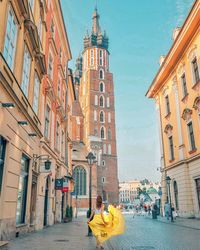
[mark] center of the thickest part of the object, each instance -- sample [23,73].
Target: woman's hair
[99,201]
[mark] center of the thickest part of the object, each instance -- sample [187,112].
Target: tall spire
[95,26]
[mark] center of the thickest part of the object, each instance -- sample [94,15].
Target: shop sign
[59,184]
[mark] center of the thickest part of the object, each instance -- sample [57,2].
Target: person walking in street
[167,210]
[103,225]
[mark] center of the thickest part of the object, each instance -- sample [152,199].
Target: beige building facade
[176,92]
[28,197]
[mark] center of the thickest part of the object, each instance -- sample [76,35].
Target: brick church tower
[96,96]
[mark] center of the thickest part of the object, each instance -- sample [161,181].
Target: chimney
[175,33]
[162,58]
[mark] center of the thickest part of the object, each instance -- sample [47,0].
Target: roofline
[169,52]
[66,36]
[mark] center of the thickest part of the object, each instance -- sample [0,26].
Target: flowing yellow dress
[115,224]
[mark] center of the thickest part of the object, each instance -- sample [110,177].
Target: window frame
[47,121]
[37,95]
[192,144]
[10,10]
[26,71]
[171,148]
[195,70]
[184,85]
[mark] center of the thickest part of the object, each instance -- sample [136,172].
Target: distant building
[128,191]
[175,89]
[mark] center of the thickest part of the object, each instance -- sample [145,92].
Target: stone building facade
[34,51]
[175,89]
[95,91]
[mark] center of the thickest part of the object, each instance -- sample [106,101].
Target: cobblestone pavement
[66,236]
[143,233]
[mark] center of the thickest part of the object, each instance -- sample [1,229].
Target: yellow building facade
[176,90]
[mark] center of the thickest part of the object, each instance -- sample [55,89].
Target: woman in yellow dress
[105,225]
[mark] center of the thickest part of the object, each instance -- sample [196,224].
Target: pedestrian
[103,225]
[149,210]
[167,210]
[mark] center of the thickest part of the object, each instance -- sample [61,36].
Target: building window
[109,117]
[101,74]
[22,191]
[101,116]
[63,143]
[101,101]
[26,72]
[31,4]
[103,162]
[171,148]
[103,179]
[184,85]
[101,58]
[40,28]
[95,115]
[36,93]
[101,87]
[104,149]
[96,100]
[79,175]
[60,54]
[109,149]
[109,134]
[57,135]
[92,57]
[50,66]
[195,70]
[191,136]
[59,92]
[2,159]
[167,105]
[47,120]
[102,133]
[108,102]
[10,39]
[176,195]
[52,28]
[198,190]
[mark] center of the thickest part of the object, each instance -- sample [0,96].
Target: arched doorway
[46,199]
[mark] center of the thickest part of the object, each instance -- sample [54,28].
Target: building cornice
[187,31]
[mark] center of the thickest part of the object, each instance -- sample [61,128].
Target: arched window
[79,175]
[101,87]
[96,100]
[100,57]
[101,101]
[102,133]
[109,134]
[109,149]
[176,195]
[95,115]
[101,116]
[101,74]
[92,57]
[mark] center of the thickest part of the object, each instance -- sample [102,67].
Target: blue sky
[139,32]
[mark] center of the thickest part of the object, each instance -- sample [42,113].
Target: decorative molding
[196,104]
[186,115]
[168,128]
[192,52]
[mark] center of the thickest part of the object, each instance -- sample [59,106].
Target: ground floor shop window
[2,159]
[198,190]
[22,191]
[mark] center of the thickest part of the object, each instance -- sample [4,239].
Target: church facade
[95,94]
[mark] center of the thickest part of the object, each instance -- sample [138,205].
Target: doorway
[46,200]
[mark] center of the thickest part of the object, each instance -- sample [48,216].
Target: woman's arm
[92,214]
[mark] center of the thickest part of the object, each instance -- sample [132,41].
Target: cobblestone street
[142,233]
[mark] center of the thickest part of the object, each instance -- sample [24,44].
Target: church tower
[96,96]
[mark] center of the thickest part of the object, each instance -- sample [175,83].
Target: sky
[139,33]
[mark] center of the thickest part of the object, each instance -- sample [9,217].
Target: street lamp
[168,180]
[90,159]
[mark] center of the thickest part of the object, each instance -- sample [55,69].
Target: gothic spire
[96,27]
